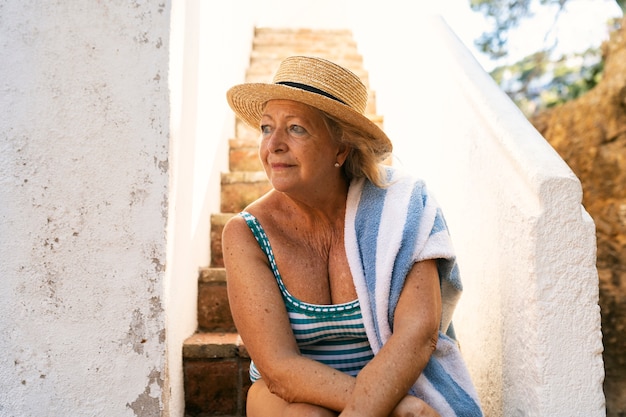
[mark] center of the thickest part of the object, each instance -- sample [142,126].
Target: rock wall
[590,134]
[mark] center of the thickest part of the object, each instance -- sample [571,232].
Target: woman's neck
[326,205]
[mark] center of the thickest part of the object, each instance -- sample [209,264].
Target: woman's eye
[297,129]
[266,129]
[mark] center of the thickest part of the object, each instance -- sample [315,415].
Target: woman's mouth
[279,165]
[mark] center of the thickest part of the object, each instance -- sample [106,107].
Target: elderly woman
[342,278]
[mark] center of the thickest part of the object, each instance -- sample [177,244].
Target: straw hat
[318,83]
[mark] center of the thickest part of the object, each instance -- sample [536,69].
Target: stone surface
[213,308]
[590,134]
[217,225]
[211,387]
[240,190]
[243,155]
[214,345]
[216,370]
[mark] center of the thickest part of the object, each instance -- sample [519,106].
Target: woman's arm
[262,322]
[261,319]
[385,381]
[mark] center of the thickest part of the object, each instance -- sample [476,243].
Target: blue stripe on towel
[404,262]
[440,223]
[367,224]
[446,267]
[456,397]
[455,277]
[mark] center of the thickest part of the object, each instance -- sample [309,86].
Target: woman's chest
[314,270]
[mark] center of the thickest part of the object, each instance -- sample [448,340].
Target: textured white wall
[84,130]
[529,321]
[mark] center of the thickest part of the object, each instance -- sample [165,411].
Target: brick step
[261,30]
[243,155]
[213,307]
[309,43]
[215,368]
[245,132]
[261,33]
[266,56]
[218,220]
[241,188]
[338,50]
[262,64]
[273,35]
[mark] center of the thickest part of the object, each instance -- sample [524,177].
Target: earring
[337,165]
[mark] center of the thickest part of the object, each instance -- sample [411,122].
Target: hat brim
[248,101]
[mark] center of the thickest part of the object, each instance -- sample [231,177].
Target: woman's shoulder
[263,204]
[262,211]
[235,228]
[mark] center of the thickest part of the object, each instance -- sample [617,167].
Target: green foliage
[537,81]
[504,15]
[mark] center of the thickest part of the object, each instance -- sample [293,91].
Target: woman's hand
[411,406]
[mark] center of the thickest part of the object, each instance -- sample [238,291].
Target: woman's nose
[275,142]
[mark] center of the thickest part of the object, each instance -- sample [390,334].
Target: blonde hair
[365,157]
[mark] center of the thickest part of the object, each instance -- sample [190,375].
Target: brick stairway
[215,362]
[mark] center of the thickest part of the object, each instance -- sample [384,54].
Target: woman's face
[297,150]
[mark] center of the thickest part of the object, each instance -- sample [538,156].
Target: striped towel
[387,231]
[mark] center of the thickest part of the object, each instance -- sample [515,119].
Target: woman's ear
[342,153]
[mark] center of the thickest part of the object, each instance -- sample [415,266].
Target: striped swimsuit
[330,334]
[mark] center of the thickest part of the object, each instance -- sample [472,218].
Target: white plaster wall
[209,52]
[529,321]
[84,128]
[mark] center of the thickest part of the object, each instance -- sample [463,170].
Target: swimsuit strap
[264,243]
[291,301]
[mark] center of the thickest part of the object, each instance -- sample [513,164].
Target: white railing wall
[529,320]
